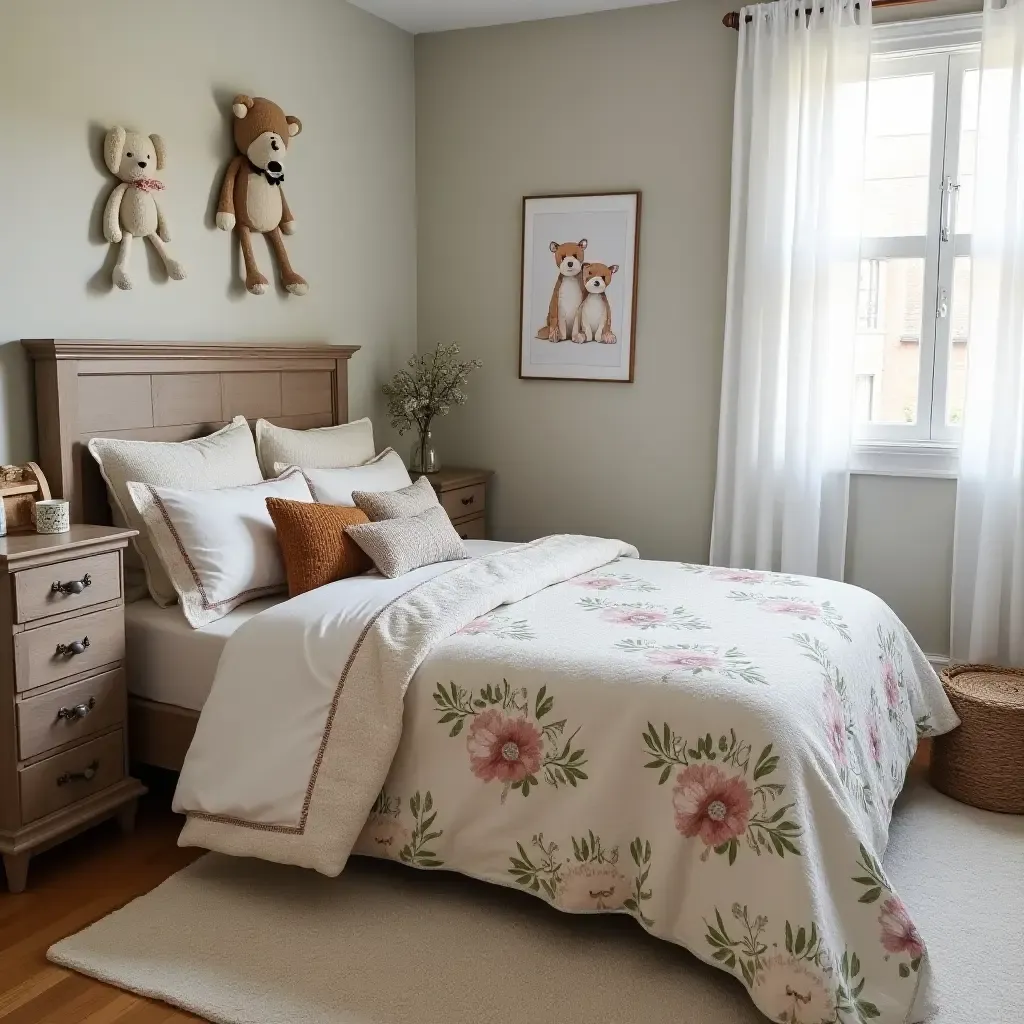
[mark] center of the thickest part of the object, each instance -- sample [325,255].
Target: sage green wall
[500,115]
[69,69]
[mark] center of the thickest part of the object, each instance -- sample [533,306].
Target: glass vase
[423,457]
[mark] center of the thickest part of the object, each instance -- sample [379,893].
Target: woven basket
[982,762]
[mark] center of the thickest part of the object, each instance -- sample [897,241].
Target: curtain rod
[732,19]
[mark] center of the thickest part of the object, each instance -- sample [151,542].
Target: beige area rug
[242,941]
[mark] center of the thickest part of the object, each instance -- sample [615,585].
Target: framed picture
[578,312]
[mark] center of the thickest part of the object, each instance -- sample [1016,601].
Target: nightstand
[463,493]
[63,743]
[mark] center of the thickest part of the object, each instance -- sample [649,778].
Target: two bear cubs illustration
[579,309]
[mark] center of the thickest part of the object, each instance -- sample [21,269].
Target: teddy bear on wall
[251,196]
[133,210]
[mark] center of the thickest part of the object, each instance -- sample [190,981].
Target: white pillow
[219,547]
[225,458]
[350,444]
[386,472]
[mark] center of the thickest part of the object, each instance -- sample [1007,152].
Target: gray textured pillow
[409,501]
[397,546]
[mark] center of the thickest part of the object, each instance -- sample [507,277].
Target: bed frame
[168,391]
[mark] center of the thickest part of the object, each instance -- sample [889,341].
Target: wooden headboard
[169,391]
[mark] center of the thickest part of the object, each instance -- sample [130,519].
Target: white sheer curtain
[787,387]
[988,559]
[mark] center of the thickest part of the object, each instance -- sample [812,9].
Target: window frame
[945,47]
[959,245]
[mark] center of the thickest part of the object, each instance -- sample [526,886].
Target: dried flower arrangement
[431,386]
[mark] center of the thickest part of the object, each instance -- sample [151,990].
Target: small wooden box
[20,488]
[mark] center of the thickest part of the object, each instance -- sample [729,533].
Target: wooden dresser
[463,493]
[63,748]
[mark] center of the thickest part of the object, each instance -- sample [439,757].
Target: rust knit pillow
[315,548]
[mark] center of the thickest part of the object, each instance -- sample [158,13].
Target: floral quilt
[714,752]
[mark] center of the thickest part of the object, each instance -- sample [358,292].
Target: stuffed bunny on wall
[133,210]
[251,196]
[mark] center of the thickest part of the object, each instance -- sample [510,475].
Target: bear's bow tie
[273,179]
[149,185]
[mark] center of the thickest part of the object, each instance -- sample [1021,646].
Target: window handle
[942,307]
[949,190]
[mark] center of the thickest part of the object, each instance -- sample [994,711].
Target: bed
[167,391]
[715,752]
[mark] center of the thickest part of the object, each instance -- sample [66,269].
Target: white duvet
[713,751]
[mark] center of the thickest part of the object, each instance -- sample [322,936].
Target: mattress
[169,661]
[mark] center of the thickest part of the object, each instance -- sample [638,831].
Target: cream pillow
[397,546]
[225,458]
[386,472]
[350,444]
[219,547]
[409,501]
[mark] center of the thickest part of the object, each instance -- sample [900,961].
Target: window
[915,268]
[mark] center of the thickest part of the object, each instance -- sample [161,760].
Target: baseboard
[938,661]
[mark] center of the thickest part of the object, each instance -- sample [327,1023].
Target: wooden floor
[69,887]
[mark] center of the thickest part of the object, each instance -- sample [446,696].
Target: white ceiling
[439,15]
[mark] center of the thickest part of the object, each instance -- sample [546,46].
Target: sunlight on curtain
[787,388]
[988,560]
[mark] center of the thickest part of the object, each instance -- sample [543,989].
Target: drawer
[35,598]
[464,501]
[38,662]
[66,778]
[472,529]
[71,713]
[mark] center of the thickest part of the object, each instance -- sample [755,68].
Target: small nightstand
[63,742]
[463,493]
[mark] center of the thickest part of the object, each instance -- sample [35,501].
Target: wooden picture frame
[579,286]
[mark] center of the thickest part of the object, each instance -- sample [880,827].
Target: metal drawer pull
[87,776]
[78,711]
[73,648]
[72,586]
[469,500]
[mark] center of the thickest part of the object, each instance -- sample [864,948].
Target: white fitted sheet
[169,661]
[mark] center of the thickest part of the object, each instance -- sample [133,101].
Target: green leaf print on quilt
[696,660]
[806,983]
[899,935]
[840,731]
[894,688]
[506,742]
[385,835]
[873,877]
[797,607]
[590,880]
[601,580]
[722,807]
[723,574]
[642,614]
[641,854]
[501,627]
[416,851]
